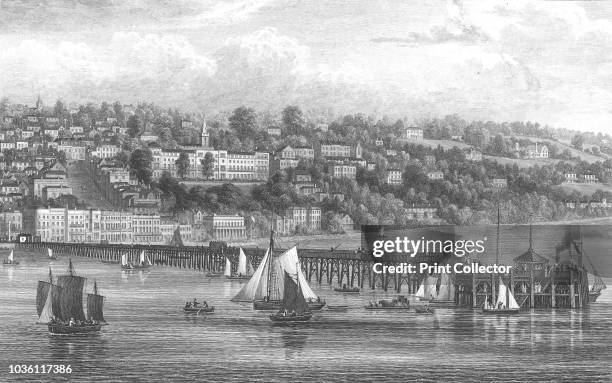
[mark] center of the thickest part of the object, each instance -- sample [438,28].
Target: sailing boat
[596,288]
[294,307]
[143,263]
[266,286]
[245,268]
[10,260]
[63,307]
[427,289]
[445,294]
[50,253]
[506,304]
[125,263]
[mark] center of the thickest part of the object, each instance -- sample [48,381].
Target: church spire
[204,136]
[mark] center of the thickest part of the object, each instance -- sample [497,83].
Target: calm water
[150,339]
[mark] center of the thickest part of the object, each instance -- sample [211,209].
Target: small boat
[143,263]
[294,307]
[51,256]
[125,264]
[195,307]
[399,303]
[505,305]
[10,260]
[347,289]
[424,310]
[213,274]
[337,308]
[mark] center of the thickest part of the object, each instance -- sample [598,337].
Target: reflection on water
[149,335]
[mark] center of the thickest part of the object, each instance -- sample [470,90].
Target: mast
[50,276]
[271,256]
[71,296]
[95,304]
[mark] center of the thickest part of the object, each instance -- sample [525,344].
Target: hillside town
[118,173]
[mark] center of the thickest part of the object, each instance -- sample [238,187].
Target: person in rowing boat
[195,302]
[187,305]
[204,304]
[72,322]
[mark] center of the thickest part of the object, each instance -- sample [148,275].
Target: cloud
[153,67]
[456,28]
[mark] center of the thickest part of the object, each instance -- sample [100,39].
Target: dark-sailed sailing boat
[62,309]
[294,307]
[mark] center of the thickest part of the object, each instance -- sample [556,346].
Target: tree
[182,165]
[243,122]
[140,163]
[134,125]
[578,141]
[123,158]
[208,165]
[293,120]
[60,108]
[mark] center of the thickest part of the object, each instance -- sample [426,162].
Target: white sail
[430,287]
[421,291]
[447,289]
[511,301]
[142,257]
[501,295]
[242,263]
[289,262]
[228,268]
[148,261]
[10,257]
[124,260]
[256,287]
[50,252]
[47,312]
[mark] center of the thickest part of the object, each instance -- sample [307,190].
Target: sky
[545,61]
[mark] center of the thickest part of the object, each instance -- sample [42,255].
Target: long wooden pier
[564,288]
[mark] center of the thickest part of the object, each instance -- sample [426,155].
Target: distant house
[412,134]
[499,183]
[421,212]
[570,178]
[148,137]
[274,131]
[589,178]
[536,151]
[391,152]
[379,142]
[323,127]
[429,160]
[342,171]
[473,155]
[435,175]
[347,223]
[394,177]
[457,138]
